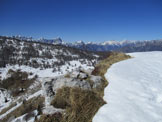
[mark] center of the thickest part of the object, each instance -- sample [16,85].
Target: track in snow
[134,93]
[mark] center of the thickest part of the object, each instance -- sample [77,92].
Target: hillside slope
[26,67]
[134,92]
[41,55]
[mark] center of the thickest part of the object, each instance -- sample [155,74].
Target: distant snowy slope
[134,93]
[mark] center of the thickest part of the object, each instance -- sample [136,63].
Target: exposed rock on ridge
[78,78]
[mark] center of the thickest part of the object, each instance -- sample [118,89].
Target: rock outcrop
[77,78]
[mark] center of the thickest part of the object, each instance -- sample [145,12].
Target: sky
[87,20]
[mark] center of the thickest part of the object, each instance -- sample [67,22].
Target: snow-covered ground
[36,86]
[46,72]
[134,93]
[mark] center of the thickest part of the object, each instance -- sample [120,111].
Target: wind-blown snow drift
[134,93]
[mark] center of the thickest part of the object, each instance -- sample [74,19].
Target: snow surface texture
[3,95]
[134,93]
[46,72]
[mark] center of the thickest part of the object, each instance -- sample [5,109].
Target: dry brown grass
[26,107]
[16,81]
[114,57]
[8,108]
[67,76]
[81,105]
[50,118]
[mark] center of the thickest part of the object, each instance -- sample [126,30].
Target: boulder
[76,78]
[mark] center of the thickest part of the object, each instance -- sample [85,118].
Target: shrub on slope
[17,82]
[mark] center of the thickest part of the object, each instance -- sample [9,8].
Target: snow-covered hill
[134,93]
[24,66]
[41,55]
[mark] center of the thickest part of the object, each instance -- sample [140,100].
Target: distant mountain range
[123,46]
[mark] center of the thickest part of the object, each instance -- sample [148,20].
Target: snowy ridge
[134,92]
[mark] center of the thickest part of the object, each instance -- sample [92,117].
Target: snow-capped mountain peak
[113,42]
[80,42]
[51,41]
[57,41]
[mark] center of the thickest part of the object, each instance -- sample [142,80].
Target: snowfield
[134,93]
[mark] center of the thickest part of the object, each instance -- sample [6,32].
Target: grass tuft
[17,82]
[8,108]
[81,105]
[35,103]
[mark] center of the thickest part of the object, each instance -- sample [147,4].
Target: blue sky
[87,20]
